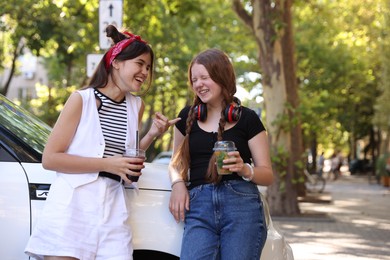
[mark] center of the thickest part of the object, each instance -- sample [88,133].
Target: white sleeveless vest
[88,140]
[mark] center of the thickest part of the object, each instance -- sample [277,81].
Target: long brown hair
[221,71]
[99,78]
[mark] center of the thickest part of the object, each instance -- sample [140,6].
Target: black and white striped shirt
[113,120]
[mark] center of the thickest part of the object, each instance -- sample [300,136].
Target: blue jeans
[225,221]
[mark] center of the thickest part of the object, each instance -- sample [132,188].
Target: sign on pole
[110,12]
[92,62]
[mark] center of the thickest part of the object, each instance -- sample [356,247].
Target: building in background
[29,71]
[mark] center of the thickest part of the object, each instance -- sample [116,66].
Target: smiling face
[212,77]
[203,86]
[131,74]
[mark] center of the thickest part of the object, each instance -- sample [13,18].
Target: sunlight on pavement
[337,245]
[353,225]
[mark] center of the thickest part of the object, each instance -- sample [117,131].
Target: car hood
[155,177]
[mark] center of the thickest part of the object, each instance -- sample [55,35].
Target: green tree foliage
[337,51]
[64,32]
[61,32]
[340,54]
[382,108]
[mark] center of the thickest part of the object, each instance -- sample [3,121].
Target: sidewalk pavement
[350,222]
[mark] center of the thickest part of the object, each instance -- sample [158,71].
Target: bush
[381,165]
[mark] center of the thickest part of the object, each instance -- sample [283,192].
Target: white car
[25,186]
[163,157]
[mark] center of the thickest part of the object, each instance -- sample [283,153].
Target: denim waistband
[234,176]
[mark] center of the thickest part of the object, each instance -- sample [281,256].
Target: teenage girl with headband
[85,215]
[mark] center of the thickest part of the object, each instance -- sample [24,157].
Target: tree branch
[243,14]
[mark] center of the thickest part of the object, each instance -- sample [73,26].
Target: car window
[23,125]
[5,156]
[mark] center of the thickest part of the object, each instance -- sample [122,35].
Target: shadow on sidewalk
[308,212]
[349,221]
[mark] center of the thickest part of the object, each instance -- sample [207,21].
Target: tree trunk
[16,53]
[276,58]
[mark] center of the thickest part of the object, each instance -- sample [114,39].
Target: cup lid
[134,152]
[224,145]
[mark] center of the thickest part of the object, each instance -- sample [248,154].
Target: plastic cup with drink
[221,149]
[135,153]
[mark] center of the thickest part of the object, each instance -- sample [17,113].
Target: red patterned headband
[120,46]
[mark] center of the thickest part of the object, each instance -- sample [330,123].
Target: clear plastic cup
[221,149]
[135,153]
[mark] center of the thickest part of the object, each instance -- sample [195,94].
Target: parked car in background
[163,157]
[360,166]
[25,186]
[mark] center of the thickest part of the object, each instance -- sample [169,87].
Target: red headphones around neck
[232,111]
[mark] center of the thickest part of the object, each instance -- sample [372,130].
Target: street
[354,223]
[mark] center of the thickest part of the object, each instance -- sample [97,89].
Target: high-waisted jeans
[225,221]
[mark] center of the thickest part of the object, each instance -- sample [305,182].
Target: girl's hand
[235,164]
[179,201]
[161,124]
[123,166]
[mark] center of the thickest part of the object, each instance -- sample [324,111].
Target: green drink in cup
[221,149]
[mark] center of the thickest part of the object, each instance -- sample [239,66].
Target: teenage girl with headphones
[223,215]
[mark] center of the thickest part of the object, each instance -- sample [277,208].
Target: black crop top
[202,142]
